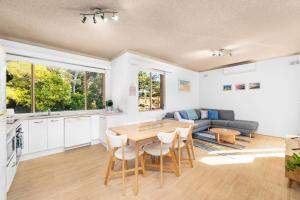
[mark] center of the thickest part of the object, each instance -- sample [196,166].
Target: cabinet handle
[54,120]
[38,122]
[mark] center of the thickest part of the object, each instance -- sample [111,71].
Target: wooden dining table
[141,132]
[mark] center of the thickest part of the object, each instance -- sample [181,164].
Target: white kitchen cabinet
[77,131]
[106,122]
[10,172]
[25,130]
[37,135]
[95,127]
[55,129]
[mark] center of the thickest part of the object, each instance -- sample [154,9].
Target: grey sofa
[226,120]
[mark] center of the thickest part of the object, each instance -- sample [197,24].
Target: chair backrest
[116,141]
[166,138]
[184,132]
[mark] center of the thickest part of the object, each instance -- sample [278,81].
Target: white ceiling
[179,31]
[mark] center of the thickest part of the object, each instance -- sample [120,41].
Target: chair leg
[108,169]
[189,154]
[113,164]
[161,171]
[192,148]
[142,163]
[179,160]
[123,176]
[174,162]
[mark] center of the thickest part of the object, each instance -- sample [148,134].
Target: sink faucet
[49,111]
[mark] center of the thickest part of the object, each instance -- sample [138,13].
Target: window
[150,91]
[95,90]
[19,86]
[32,87]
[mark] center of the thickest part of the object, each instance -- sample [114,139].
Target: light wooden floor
[78,174]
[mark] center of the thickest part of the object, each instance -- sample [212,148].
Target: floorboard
[79,174]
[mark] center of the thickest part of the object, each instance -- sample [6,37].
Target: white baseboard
[30,156]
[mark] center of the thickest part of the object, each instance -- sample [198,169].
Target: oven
[19,142]
[10,145]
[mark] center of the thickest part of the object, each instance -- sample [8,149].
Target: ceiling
[181,32]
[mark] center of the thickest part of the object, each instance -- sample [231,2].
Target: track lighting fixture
[221,52]
[101,13]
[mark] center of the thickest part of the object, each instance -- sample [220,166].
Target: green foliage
[95,90]
[55,89]
[18,86]
[293,163]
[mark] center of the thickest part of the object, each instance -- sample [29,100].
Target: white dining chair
[119,150]
[163,148]
[184,142]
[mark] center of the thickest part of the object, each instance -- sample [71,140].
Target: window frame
[162,92]
[33,100]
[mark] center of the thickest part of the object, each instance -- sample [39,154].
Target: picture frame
[184,85]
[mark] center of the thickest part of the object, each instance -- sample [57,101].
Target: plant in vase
[293,162]
[109,105]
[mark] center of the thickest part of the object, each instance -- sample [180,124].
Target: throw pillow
[213,115]
[183,114]
[192,115]
[204,114]
[177,116]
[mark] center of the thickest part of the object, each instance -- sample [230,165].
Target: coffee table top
[224,131]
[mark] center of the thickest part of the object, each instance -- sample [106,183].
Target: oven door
[11,148]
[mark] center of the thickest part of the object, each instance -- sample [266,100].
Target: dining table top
[142,131]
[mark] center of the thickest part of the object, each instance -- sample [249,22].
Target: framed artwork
[240,86]
[184,86]
[253,86]
[227,87]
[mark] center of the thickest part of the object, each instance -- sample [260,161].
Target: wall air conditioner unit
[239,69]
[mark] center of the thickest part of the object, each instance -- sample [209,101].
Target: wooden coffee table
[226,135]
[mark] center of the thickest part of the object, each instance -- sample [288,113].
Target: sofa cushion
[226,114]
[204,114]
[220,123]
[169,115]
[213,115]
[183,114]
[201,123]
[198,113]
[243,124]
[192,115]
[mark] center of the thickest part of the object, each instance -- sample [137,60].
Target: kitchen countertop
[12,126]
[44,115]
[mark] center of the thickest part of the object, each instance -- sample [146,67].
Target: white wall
[2,80]
[124,73]
[276,106]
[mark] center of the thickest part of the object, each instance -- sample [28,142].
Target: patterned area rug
[206,141]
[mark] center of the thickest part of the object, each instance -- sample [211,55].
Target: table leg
[217,137]
[136,185]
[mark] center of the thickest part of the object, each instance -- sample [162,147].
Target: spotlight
[103,18]
[94,19]
[115,17]
[83,19]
